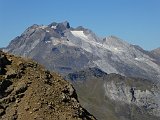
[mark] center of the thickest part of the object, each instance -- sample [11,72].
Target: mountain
[30,92]
[113,79]
[116,97]
[65,49]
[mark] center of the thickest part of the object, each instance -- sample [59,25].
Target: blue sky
[135,21]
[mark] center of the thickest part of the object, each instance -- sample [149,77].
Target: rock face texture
[64,49]
[115,97]
[29,92]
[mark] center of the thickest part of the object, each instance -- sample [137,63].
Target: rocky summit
[30,92]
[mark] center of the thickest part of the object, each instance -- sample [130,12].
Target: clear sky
[135,21]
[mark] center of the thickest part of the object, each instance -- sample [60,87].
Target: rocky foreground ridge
[29,92]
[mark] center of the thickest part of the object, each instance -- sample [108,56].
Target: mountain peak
[64,25]
[81,28]
[114,41]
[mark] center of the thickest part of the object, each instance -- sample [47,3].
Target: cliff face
[116,97]
[28,91]
[134,92]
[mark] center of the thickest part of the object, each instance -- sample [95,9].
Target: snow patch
[80,34]
[53,27]
[141,59]
[87,42]
[136,58]
[43,27]
[47,41]
[116,49]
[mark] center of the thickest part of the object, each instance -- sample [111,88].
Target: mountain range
[65,49]
[107,73]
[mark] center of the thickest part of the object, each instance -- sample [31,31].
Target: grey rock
[117,97]
[65,49]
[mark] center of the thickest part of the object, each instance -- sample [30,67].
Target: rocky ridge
[29,92]
[64,49]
